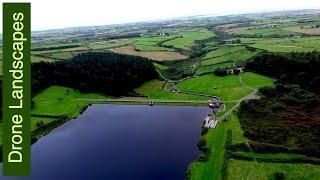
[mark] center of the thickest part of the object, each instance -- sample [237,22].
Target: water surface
[121,142]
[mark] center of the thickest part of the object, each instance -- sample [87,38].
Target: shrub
[221,72]
[39,123]
[279,176]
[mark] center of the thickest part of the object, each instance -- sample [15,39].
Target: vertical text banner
[16,89]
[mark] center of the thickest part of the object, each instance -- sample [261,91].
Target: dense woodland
[102,72]
[286,115]
[293,68]
[289,113]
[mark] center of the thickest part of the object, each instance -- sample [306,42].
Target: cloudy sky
[50,14]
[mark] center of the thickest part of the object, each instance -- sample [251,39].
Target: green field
[59,101]
[211,169]
[155,90]
[39,59]
[255,80]
[81,48]
[284,45]
[227,88]
[151,48]
[60,55]
[108,44]
[278,156]
[222,51]
[187,39]
[240,55]
[37,121]
[215,143]
[151,43]
[212,68]
[263,32]
[237,132]
[1,68]
[251,170]
[160,66]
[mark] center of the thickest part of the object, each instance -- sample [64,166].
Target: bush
[221,72]
[39,123]
[204,130]
[202,145]
[279,176]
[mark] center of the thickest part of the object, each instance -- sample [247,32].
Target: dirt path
[252,95]
[170,80]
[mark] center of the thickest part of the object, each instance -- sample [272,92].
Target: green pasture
[227,88]
[240,55]
[151,48]
[108,44]
[222,51]
[263,32]
[187,39]
[58,101]
[38,121]
[306,44]
[215,143]
[256,81]
[39,59]
[212,68]
[251,170]
[60,55]
[155,89]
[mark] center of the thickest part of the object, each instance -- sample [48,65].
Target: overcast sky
[51,14]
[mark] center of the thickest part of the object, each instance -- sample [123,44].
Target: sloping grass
[227,88]
[251,170]
[37,121]
[155,90]
[188,38]
[284,45]
[39,59]
[215,142]
[150,43]
[241,55]
[151,48]
[255,80]
[60,55]
[58,101]
[237,132]
[222,51]
[212,68]
[108,44]
[263,32]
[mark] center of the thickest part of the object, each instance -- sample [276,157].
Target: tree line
[291,68]
[102,72]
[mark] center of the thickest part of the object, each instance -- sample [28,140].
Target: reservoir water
[121,142]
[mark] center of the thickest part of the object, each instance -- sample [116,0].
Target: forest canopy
[289,113]
[103,72]
[292,68]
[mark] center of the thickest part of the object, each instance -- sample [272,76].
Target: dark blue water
[121,142]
